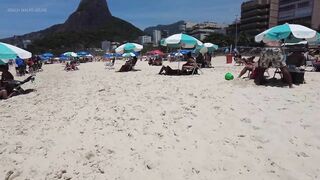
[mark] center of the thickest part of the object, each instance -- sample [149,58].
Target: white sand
[99,124]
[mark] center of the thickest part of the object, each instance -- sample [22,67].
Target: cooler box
[229,58]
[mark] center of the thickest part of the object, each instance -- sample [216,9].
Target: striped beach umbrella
[8,51]
[288,32]
[70,54]
[207,47]
[129,47]
[181,41]
[3,61]
[128,55]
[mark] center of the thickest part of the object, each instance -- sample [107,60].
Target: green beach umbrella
[129,47]
[181,41]
[288,32]
[8,51]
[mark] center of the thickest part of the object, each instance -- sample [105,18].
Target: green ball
[229,76]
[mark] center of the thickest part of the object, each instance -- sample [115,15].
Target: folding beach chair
[310,64]
[110,64]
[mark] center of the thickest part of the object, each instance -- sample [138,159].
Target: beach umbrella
[181,41]
[206,47]
[4,61]
[156,52]
[89,55]
[129,47]
[49,55]
[8,51]
[70,54]
[128,55]
[288,32]
[82,53]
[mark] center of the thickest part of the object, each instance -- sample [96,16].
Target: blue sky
[23,16]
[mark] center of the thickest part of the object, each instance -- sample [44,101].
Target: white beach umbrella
[8,51]
[181,41]
[288,32]
[70,54]
[207,47]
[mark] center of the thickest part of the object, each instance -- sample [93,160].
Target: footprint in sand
[246,120]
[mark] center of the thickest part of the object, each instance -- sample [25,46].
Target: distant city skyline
[24,16]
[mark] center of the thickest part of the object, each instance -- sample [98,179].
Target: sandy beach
[98,124]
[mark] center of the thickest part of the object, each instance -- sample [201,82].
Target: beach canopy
[70,54]
[287,32]
[128,48]
[8,51]
[206,47]
[181,41]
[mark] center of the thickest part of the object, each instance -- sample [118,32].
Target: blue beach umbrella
[49,55]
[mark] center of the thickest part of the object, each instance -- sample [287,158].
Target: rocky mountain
[172,28]
[90,24]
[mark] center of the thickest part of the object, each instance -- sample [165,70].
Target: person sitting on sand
[3,93]
[200,60]
[316,62]
[5,77]
[157,61]
[272,55]
[189,68]
[250,66]
[128,66]
[67,67]
[73,65]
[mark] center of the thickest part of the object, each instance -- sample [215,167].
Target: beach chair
[277,71]
[310,64]
[110,64]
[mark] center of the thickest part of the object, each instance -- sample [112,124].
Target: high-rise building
[258,15]
[145,39]
[304,12]
[156,37]
[202,30]
[165,33]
